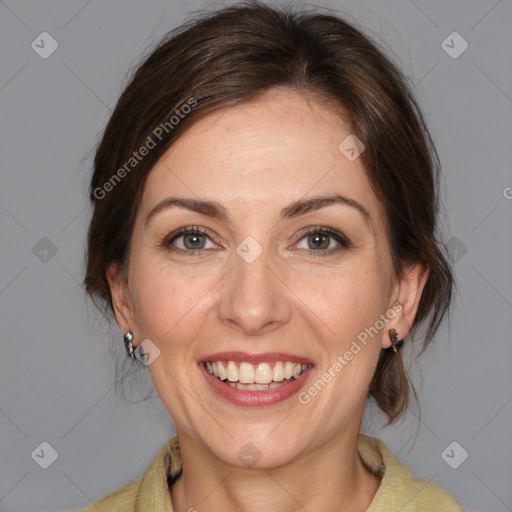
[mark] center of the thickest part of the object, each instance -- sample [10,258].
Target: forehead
[262,154]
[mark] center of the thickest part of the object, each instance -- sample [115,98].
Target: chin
[257,449]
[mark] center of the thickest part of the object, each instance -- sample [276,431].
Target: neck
[330,474]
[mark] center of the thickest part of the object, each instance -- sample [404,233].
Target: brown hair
[236,54]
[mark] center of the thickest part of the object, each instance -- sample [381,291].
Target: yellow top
[398,491]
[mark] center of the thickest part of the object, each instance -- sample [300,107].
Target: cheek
[346,299]
[168,301]
[349,301]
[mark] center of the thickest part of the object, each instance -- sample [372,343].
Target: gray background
[56,370]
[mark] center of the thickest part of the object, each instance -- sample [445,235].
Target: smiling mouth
[256,377]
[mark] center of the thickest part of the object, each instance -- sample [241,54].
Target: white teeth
[278,373]
[255,387]
[246,374]
[221,370]
[262,374]
[252,387]
[232,372]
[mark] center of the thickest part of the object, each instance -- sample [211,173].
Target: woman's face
[248,282]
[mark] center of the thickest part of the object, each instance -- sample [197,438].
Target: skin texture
[255,159]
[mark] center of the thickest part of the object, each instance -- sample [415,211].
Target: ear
[121,300]
[408,290]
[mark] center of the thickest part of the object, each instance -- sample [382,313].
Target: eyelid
[180,232]
[338,236]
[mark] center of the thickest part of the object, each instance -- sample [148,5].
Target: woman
[265,232]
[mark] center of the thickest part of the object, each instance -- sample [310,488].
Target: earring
[128,338]
[393,336]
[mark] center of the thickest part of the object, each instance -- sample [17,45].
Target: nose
[255,298]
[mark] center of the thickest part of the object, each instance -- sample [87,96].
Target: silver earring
[393,336]
[128,338]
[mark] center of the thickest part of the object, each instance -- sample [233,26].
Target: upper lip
[267,357]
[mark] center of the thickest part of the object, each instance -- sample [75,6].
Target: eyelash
[344,242]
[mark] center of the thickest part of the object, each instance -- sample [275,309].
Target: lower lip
[249,398]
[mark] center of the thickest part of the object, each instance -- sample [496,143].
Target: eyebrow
[215,210]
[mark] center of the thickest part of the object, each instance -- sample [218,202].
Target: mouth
[255,377]
[255,380]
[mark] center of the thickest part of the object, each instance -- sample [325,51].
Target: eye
[191,239]
[319,241]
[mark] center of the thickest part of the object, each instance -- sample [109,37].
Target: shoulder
[150,491]
[422,495]
[399,489]
[120,500]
